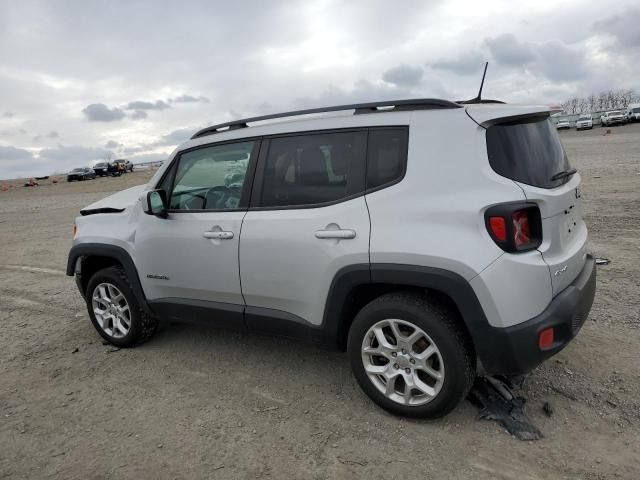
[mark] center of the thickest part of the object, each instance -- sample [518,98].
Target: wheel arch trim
[85,250]
[451,284]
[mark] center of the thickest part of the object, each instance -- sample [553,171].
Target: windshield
[529,152]
[615,113]
[77,170]
[585,117]
[636,110]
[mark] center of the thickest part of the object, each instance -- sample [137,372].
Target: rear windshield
[528,152]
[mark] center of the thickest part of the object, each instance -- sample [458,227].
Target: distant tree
[108,156]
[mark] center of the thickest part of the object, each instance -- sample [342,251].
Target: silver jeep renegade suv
[432,240]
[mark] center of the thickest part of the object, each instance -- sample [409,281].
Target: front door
[190,258]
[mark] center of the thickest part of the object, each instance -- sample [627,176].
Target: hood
[115,203]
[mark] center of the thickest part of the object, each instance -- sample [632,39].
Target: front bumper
[514,350]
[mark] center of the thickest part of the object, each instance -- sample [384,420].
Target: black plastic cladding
[371,107]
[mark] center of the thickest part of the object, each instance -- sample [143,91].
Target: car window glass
[211,178]
[313,169]
[386,156]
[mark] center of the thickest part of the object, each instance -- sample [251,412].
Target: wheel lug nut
[412,361]
[404,351]
[408,370]
[394,354]
[396,366]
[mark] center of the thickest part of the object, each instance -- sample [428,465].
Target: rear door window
[386,156]
[529,152]
[313,169]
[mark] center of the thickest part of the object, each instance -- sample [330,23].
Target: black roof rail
[371,107]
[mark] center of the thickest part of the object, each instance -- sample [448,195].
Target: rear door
[530,153]
[308,219]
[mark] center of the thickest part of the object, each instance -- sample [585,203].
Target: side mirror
[157,203]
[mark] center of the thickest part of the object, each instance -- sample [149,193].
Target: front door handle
[218,235]
[342,234]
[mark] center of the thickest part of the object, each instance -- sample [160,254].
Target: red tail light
[515,227]
[498,228]
[521,231]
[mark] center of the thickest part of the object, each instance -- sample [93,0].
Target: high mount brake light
[515,227]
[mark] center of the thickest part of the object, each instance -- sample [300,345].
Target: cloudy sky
[80,79]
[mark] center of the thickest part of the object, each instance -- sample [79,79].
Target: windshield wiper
[563,174]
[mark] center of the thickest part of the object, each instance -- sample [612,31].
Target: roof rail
[392,105]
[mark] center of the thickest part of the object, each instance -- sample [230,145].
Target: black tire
[439,323]
[143,326]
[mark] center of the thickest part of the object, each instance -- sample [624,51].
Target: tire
[141,325]
[454,359]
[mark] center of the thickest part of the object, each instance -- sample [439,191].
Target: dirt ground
[198,402]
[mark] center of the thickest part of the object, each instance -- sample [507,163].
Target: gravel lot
[198,402]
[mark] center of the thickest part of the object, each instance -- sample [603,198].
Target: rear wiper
[563,174]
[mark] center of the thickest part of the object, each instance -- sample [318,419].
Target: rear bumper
[514,350]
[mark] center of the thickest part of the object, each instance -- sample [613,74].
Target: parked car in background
[584,122]
[615,117]
[101,169]
[82,173]
[563,125]
[633,112]
[126,165]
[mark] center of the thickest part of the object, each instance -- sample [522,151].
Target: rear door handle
[218,235]
[339,234]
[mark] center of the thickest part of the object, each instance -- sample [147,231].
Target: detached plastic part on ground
[498,402]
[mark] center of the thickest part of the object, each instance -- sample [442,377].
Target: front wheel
[114,309]
[410,356]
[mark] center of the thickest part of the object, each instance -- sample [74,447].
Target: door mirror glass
[156,203]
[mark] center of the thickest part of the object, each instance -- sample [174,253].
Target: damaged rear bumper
[515,350]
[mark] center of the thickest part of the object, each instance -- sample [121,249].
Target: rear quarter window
[529,152]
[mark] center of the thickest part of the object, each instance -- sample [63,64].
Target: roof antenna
[479,99]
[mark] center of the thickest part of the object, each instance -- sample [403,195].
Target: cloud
[464,64]
[175,137]
[624,27]
[8,115]
[403,75]
[12,153]
[51,134]
[74,153]
[507,50]
[560,63]
[139,115]
[144,105]
[189,99]
[99,112]
[112,144]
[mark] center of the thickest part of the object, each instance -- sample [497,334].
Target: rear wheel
[409,355]
[114,309]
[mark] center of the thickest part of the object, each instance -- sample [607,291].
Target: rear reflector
[498,228]
[545,339]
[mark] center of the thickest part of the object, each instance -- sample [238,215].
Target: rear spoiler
[486,116]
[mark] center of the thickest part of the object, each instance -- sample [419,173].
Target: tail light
[515,227]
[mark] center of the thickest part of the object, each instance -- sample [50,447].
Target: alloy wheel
[111,310]
[402,362]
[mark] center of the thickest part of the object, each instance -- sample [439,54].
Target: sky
[82,81]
